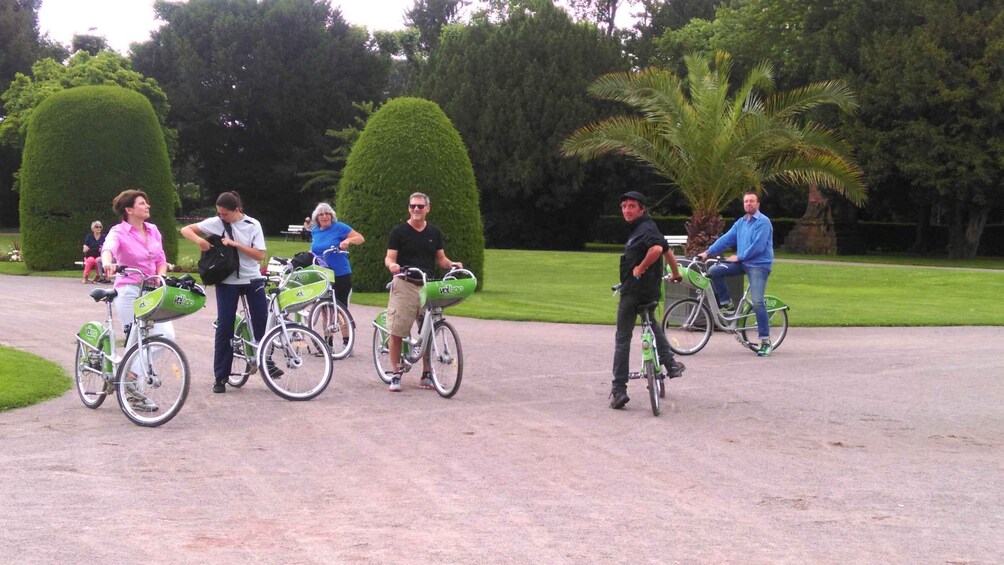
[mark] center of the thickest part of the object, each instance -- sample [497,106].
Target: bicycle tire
[303,357]
[446,359]
[687,338]
[92,388]
[653,387]
[333,322]
[751,335]
[381,354]
[164,382]
[243,362]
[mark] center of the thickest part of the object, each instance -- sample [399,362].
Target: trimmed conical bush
[84,146]
[409,145]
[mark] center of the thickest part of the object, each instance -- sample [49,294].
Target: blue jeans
[627,316]
[757,277]
[227,297]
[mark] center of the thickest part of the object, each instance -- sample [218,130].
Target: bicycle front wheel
[653,386]
[333,322]
[243,363]
[295,362]
[688,326]
[750,334]
[153,382]
[381,354]
[446,357]
[88,373]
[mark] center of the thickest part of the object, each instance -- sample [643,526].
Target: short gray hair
[322,208]
[96,224]
[420,195]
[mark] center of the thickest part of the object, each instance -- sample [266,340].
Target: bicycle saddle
[100,294]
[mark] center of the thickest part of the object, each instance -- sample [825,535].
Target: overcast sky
[123,22]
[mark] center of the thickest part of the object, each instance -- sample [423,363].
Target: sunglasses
[416,206]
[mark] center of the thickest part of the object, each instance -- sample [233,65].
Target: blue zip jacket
[753,240]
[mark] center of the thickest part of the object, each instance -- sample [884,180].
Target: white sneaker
[138,401]
[395,383]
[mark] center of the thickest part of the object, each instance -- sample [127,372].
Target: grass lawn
[26,379]
[574,287]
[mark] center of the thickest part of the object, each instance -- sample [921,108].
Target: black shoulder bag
[220,261]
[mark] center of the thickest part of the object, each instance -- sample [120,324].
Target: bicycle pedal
[634,375]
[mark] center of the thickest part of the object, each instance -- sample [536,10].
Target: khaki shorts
[403,307]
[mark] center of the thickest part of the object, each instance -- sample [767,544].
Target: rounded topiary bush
[84,146]
[409,145]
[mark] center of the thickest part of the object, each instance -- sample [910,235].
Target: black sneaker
[618,398]
[273,370]
[219,387]
[674,370]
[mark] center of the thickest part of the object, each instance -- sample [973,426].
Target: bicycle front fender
[774,303]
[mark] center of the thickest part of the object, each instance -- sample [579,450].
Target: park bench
[293,230]
[677,241]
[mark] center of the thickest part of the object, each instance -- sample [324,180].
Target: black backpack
[220,261]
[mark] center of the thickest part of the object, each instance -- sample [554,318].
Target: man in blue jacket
[752,235]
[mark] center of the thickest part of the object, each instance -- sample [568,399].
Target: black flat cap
[634,195]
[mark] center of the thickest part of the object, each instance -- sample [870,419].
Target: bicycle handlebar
[185,282]
[451,274]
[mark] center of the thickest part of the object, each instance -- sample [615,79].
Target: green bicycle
[688,322]
[437,341]
[650,363]
[294,360]
[151,379]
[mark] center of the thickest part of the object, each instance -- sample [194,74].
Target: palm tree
[713,145]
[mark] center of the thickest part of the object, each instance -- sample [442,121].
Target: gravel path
[850,445]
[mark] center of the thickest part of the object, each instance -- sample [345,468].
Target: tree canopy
[254,86]
[931,80]
[514,89]
[48,76]
[713,144]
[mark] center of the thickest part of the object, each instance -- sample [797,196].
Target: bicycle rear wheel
[688,326]
[333,322]
[153,382]
[653,386]
[750,334]
[295,362]
[446,358]
[243,363]
[89,376]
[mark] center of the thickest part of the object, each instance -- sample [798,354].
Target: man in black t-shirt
[415,243]
[641,279]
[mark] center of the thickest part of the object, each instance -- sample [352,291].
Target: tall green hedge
[409,145]
[84,146]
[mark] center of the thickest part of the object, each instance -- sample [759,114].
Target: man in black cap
[641,277]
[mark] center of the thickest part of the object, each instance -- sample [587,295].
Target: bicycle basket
[167,303]
[694,278]
[328,273]
[440,294]
[302,288]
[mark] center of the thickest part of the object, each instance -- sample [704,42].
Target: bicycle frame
[649,352]
[412,349]
[705,315]
[111,359]
[730,322]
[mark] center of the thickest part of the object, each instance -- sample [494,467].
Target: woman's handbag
[220,261]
